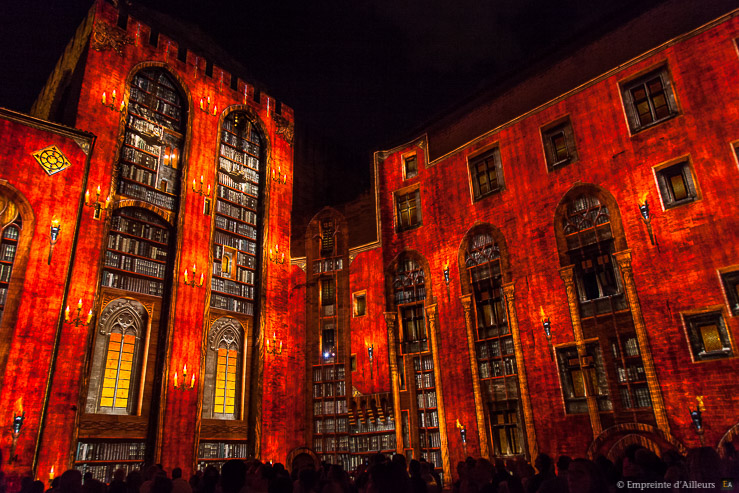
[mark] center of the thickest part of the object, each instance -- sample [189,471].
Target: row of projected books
[161,87]
[237,179]
[136,156]
[230,304]
[110,451]
[410,295]
[225,179]
[498,368]
[329,389]
[242,145]
[253,134]
[424,363]
[222,450]
[152,196]
[141,230]
[330,425]
[5,270]
[491,349]
[136,247]
[425,381]
[3,295]
[104,472]
[387,424]
[138,265]
[7,252]
[428,419]
[241,258]
[242,275]
[143,126]
[238,243]
[372,443]
[328,372]
[329,407]
[154,103]
[355,462]
[234,210]
[236,227]
[122,281]
[139,175]
[426,399]
[434,438]
[241,158]
[239,169]
[137,141]
[230,287]
[328,265]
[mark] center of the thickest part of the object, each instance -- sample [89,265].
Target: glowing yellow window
[711,338]
[225,395]
[118,369]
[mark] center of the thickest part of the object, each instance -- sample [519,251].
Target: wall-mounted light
[274,346]
[462,435]
[193,283]
[278,176]
[51,474]
[275,256]
[329,353]
[110,102]
[205,106]
[547,325]
[199,189]
[446,273]
[98,206]
[77,320]
[53,237]
[644,209]
[697,418]
[19,416]
[183,385]
[371,356]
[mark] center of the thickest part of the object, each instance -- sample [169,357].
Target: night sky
[363,72]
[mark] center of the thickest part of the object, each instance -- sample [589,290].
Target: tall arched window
[10,232]
[149,167]
[116,367]
[409,288]
[237,216]
[223,367]
[494,344]
[589,232]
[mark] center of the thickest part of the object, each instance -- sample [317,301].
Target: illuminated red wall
[694,240]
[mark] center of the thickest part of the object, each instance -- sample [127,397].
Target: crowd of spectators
[639,469]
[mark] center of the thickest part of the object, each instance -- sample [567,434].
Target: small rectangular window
[410,166]
[353,362]
[559,144]
[328,292]
[676,184]
[487,174]
[153,37]
[360,304]
[649,99]
[327,237]
[409,210]
[181,53]
[708,336]
[731,287]
[577,379]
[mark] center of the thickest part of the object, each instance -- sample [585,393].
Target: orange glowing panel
[118,369]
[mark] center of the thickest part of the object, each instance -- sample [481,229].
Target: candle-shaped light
[215,110]
[79,304]
[201,180]
[184,372]
[175,379]
[193,184]
[185,276]
[201,103]
[51,474]
[107,202]
[208,190]
[89,316]
[113,95]
[98,192]
[123,106]
[192,381]
[66,314]
[104,98]
[202,278]
[87,197]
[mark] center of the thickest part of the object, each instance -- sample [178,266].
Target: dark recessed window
[649,100]
[731,286]
[676,184]
[708,336]
[328,232]
[410,166]
[409,210]
[582,375]
[360,304]
[559,144]
[328,292]
[486,173]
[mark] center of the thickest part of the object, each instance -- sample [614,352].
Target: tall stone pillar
[391,320]
[446,463]
[568,276]
[482,430]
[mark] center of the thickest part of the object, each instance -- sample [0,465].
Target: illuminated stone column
[390,320]
[446,463]
[523,383]
[482,429]
[623,259]
[568,276]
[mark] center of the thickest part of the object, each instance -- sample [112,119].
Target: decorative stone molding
[105,37]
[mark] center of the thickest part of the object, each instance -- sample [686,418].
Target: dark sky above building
[363,72]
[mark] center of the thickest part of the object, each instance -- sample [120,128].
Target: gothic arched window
[116,362]
[153,139]
[409,286]
[223,369]
[10,232]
